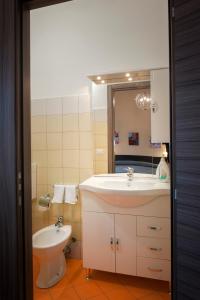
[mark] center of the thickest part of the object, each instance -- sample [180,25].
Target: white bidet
[48,245]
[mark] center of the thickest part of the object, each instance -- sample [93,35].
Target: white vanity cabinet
[133,241]
[98,241]
[160,114]
[109,242]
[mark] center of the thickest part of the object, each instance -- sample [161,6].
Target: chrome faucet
[130,174]
[59,222]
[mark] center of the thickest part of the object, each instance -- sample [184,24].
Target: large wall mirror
[138,122]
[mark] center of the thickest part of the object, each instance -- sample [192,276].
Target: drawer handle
[155,270]
[155,227]
[155,249]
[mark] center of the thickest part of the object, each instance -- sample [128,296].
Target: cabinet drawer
[153,227]
[154,268]
[154,248]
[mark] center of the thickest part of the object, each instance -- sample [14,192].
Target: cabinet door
[98,241]
[125,238]
[160,127]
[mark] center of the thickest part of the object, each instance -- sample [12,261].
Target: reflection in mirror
[139,133]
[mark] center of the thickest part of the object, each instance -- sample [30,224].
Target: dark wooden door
[186,148]
[11,212]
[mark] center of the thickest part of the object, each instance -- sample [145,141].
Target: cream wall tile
[38,124]
[54,141]
[71,158]
[86,140]
[55,211]
[71,140]
[41,175]
[42,189]
[102,156]
[76,213]
[84,103]
[101,167]
[70,105]
[54,106]
[67,208]
[100,115]
[85,123]
[86,159]
[55,176]
[38,141]
[85,174]
[70,122]
[40,158]
[76,230]
[50,189]
[100,128]
[54,158]
[71,175]
[54,123]
[101,141]
[38,107]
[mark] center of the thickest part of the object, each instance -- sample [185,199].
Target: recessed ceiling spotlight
[102,81]
[127,74]
[130,78]
[98,77]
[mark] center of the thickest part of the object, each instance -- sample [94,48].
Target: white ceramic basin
[118,191]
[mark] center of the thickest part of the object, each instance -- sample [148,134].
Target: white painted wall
[75,39]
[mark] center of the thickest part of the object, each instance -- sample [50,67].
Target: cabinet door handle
[111,242]
[155,249]
[117,244]
[155,269]
[154,227]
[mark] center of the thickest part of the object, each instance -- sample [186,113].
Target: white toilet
[48,245]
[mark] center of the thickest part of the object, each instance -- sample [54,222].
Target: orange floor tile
[101,286]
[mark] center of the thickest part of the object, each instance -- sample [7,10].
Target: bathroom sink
[116,190]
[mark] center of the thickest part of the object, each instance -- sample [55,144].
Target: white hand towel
[71,194]
[58,196]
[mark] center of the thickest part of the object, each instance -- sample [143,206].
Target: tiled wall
[100,141]
[62,142]
[99,117]
[62,148]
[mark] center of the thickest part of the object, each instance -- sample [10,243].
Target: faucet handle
[130,170]
[60,219]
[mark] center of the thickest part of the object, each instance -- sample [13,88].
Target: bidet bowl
[48,245]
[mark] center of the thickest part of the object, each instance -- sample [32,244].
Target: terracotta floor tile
[101,286]
[78,277]
[153,296]
[41,294]
[88,290]
[120,294]
[100,297]
[165,296]
[68,294]
[139,292]
[108,286]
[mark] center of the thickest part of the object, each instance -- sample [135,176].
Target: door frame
[26,140]
[27,6]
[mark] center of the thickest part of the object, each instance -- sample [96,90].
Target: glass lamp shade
[143,101]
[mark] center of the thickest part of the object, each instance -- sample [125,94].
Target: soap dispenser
[162,171]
